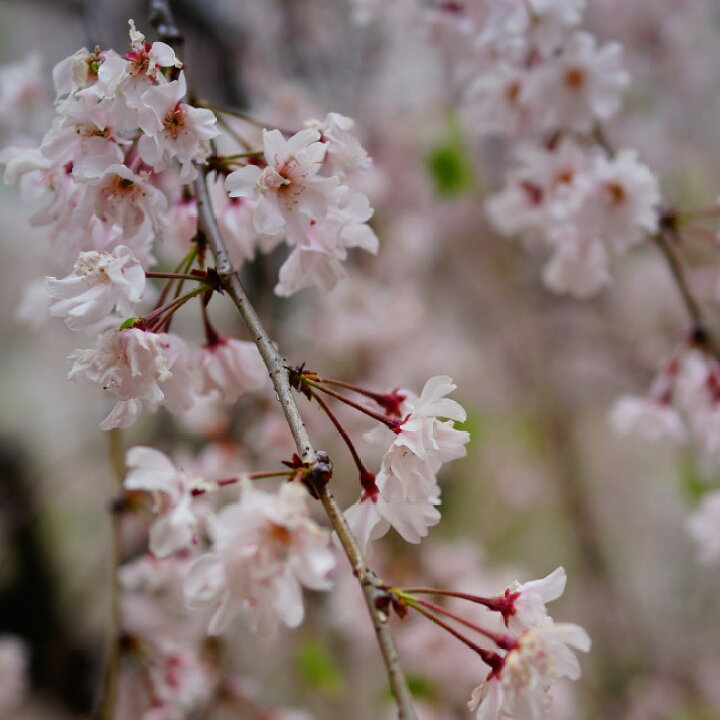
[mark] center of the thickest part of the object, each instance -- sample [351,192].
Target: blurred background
[546,481]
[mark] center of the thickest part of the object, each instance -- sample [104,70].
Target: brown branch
[373,588]
[669,248]
[111,670]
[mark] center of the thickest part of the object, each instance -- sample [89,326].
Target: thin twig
[668,247]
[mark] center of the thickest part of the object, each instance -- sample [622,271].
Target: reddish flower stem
[488,656]
[387,421]
[154,321]
[376,396]
[501,603]
[182,267]
[250,476]
[502,641]
[367,479]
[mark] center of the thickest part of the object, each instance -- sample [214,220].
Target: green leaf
[318,669]
[449,166]
[130,322]
[694,484]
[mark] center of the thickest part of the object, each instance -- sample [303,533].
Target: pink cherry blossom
[144,369]
[408,492]
[344,151]
[266,547]
[578,266]
[528,600]
[173,130]
[289,191]
[173,488]
[182,680]
[230,368]
[317,259]
[580,85]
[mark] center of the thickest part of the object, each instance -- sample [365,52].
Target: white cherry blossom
[266,547]
[520,687]
[98,283]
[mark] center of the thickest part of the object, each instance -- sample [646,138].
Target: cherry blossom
[417,431]
[528,600]
[266,547]
[407,491]
[173,489]
[289,191]
[173,130]
[98,283]
[344,151]
[518,687]
[623,201]
[143,369]
[317,260]
[580,85]
[648,418]
[231,368]
[182,680]
[578,266]
[21,93]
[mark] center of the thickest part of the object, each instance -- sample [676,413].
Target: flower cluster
[585,206]
[519,682]
[405,494]
[683,406]
[299,192]
[265,549]
[120,121]
[526,662]
[265,546]
[539,652]
[531,75]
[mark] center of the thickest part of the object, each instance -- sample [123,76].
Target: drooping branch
[373,588]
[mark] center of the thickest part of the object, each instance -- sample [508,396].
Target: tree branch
[668,248]
[373,588]
[111,670]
